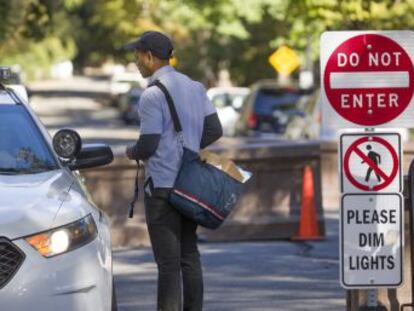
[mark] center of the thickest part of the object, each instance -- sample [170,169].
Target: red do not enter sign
[369,79]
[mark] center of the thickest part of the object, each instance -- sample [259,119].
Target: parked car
[121,83]
[128,105]
[55,246]
[228,102]
[307,125]
[311,125]
[268,109]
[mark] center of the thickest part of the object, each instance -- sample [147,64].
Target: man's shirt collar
[161,71]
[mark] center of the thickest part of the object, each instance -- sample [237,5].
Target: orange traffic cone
[308,226]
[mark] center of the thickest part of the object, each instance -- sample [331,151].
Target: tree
[238,35]
[29,37]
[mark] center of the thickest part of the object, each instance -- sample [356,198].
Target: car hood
[29,203]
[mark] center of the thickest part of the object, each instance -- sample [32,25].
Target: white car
[228,102]
[55,249]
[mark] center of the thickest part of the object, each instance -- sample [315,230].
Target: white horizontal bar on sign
[369,79]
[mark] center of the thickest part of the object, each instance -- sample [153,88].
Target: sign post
[368,83]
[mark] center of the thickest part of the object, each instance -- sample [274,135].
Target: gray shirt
[192,107]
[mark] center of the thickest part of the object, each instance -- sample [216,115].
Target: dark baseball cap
[156,42]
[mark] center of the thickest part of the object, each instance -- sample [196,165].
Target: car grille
[11,258]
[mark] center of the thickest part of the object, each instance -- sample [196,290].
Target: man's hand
[130,152]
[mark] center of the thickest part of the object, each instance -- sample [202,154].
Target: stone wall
[269,208]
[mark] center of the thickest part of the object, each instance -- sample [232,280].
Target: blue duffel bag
[202,192]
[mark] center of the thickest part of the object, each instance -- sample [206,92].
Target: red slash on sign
[385,179]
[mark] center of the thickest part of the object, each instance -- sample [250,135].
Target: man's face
[144,62]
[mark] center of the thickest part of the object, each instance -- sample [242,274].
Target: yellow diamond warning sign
[284,60]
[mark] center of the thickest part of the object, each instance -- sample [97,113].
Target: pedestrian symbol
[376,158]
[370,162]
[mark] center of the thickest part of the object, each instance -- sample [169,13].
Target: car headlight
[65,238]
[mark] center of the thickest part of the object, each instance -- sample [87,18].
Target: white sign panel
[371,240]
[367,79]
[370,162]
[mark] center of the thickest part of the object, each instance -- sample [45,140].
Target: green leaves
[208,34]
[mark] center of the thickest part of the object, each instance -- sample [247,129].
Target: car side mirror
[92,155]
[67,144]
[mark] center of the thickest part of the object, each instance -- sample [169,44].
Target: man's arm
[147,144]
[212,130]
[145,147]
[150,113]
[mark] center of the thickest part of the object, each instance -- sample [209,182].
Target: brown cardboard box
[223,164]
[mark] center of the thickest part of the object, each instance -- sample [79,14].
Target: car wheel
[114,301]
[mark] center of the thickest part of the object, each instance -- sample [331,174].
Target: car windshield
[23,149]
[268,100]
[227,99]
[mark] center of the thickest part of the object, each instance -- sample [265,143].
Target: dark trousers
[174,244]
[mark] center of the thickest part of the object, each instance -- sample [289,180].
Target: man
[173,237]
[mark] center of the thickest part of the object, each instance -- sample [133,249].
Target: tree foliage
[31,36]
[209,35]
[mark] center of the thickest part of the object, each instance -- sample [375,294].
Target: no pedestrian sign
[371,240]
[370,162]
[368,79]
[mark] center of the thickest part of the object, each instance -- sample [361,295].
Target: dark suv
[269,108]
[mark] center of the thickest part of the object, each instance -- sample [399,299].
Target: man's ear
[150,57]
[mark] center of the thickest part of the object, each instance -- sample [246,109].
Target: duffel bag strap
[136,194]
[171,106]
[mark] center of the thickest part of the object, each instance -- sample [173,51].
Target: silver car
[55,247]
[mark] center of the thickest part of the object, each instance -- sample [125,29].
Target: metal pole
[372,303]
[410,203]
[410,184]
[372,298]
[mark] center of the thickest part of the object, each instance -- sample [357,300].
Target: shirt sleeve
[150,114]
[212,130]
[208,105]
[146,146]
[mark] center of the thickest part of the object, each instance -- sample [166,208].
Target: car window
[268,100]
[237,100]
[220,100]
[23,149]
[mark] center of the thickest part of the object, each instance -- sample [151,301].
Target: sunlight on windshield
[22,148]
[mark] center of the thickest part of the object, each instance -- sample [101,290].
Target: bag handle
[136,194]
[171,106]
